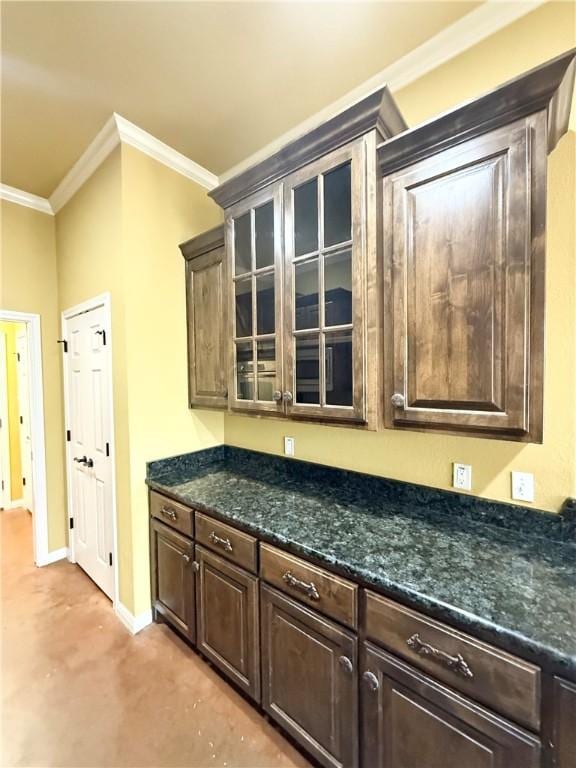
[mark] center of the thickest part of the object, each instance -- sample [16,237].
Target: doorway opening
[22,446]
[90,456]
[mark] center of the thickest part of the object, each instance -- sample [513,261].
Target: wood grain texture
[172,513]
[410,721]
[564,733]
[227,625]
[229,542]
[306,686]
[378,111]
[499,680]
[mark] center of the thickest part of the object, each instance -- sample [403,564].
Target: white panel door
[87,365]
[24,410]
[4,436]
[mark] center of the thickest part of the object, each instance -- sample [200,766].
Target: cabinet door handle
[277,396]
[309,588]
[397,400]
[169,513]
[346,664]
[456,663]
[186,558]
[226,544]
[287,397]
[371,681]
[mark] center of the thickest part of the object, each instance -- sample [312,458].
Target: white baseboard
[52,557]
[14,504]
[133,623]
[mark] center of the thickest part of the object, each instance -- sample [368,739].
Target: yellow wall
[426,458]
[120,233]
[11,329]
[29,284]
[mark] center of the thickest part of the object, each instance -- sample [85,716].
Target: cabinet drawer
[172,513]
[493,677]
[329,594]
[227,541]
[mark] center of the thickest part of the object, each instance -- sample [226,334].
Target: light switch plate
[289,446]
[522,486]
[462,477]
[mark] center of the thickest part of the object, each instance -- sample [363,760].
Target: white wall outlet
[289,446]
[462,477]
[522,486]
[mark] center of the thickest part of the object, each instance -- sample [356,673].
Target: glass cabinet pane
[338,368]
[264,235]
[244,371]
[307,369]
[306,218]
[265,370]
[265,303]
[306,294]
[337,206]
[243,291]
[242,245]
[338,288]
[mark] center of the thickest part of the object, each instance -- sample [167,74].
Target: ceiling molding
[93,156]
[136,137]
[471,29]
[18,196]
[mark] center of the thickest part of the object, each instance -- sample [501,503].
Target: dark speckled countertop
[503,573]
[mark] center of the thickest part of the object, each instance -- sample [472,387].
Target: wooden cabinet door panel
[564,730]
[465,268]
[227,600]
[410,721]
[309,679]
[173,578]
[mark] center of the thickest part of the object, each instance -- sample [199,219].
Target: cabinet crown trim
[203,243]
[376,111]
[546,87]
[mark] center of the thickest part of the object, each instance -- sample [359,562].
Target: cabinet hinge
[18,356]
[2,484]
[110,558]
[107,449]
[71,523]
[21,420]
[23,481]
[64,342]
[68,436]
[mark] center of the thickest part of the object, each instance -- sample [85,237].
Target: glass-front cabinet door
[254,247]
[324,275]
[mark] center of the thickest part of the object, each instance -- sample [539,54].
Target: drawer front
[495,678]
[172,513]
[229,542]
[320,589]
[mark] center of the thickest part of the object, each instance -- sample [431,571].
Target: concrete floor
[79,690]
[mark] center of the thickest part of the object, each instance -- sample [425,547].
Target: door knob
[397,400]
[88,463]
[81,460]
[288,397]
[346,664]
[277,396]
[371,681]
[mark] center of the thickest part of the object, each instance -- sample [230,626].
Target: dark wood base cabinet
[411,721]
[309,679]
[173,578]
[227,620]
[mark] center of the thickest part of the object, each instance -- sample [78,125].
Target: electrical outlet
[462,477]
[289,446]
[522,486]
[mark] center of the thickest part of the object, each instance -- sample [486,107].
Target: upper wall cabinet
[206,311]
[464,205]
[302,255]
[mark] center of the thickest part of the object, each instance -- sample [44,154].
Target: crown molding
[136,137]
[18,196]
[471,29]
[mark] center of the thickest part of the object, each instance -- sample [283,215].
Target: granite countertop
[503,573]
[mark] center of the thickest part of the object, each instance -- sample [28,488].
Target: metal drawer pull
[309,589]
[371,681]
[455,663]
[346,664]
[169,513]
[220,542]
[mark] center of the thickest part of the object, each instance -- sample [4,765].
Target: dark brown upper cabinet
[302,256]
[464,205]
[206,314]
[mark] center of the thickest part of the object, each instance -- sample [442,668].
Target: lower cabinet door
[227,603]
[309,679]
[411,721]
[172,575]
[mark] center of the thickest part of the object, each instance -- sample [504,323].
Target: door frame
[102,300]
[42,556]
[4,435]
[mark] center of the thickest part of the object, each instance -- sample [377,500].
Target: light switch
[289,446]
[522,486]
[462,477]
